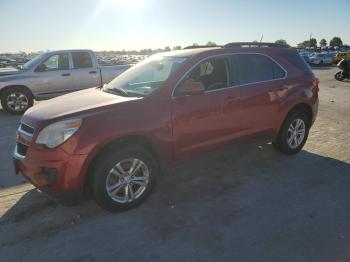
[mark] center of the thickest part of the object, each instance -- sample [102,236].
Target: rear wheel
[293,134]
[123,178]
[16,100]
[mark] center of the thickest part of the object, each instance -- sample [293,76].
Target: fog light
[49,175]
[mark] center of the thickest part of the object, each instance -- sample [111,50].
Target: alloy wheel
[127,180]
[17,101]
[296,133]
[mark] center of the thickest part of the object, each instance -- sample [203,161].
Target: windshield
[146,77]
[32,62]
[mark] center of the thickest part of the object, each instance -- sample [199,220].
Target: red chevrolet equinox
[115,141]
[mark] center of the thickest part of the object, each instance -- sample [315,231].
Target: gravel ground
[240,203]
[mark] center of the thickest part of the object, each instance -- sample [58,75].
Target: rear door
[53,76]
[259,80]
[85,70]
[197,119]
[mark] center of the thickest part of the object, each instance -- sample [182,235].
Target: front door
[53,77]
[198,122]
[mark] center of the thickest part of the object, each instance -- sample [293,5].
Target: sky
[34,25]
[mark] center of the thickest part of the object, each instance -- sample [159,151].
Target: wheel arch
[118,142]
[304,107]
[21,86]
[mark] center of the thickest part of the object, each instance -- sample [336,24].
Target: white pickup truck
[52,74]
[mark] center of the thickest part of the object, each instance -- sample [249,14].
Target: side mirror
[190,87]
[40,68]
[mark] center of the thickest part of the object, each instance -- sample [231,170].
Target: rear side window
[81,60]
[296,60]
[254,68]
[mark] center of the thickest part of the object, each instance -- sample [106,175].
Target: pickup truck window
[146,77]
[57,62]
[81,60]
[54,62]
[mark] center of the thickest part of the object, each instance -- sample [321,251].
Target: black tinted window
[252,68]
[278,72]
[213,73]
[81,59]
[296,60]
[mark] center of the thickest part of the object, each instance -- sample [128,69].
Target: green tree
[336,41]
[304,44]
[167,48]
[323,42]
[281,42]
[313,42]
[177,47]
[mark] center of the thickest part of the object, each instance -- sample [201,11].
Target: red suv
[116,140]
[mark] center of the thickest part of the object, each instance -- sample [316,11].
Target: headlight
[57,133]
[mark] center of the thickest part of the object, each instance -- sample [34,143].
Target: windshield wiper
[116,90]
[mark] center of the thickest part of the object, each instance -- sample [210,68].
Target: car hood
[9,71]
[88,101]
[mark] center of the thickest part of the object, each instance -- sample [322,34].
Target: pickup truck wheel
[16,100]
[293,134]
[123,178]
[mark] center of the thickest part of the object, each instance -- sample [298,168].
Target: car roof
[222,50]
[69,50]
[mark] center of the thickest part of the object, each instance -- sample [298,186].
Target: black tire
[17,90]
[281,143]
[339,76]
[104,164]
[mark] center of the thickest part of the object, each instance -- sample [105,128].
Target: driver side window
[212,73]
[55,62]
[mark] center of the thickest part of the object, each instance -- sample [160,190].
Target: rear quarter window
[297,61]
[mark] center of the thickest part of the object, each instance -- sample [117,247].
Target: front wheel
[293,134]
[339,76]
[16,100]
[123,178]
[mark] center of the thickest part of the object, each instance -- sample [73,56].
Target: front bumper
[53,171]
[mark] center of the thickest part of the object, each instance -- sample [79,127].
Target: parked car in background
[342,55]
[116,141]
[305,56]
[320,59]
[52,74]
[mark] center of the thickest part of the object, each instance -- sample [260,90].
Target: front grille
[27,128]
[21,149]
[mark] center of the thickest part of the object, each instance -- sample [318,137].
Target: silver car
[52,74]
[320,59]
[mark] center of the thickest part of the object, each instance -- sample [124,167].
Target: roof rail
[255,44]
[200,46]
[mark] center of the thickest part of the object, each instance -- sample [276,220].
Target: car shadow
[223,175]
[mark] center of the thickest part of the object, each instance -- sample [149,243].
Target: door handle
[67,74]
[92,72]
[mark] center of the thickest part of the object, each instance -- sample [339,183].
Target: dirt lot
[241,203]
